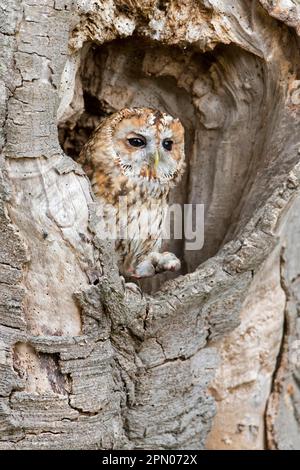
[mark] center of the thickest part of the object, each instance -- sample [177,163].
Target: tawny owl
[133,158]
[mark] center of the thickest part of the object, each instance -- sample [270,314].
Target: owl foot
[167,262]
[156,263]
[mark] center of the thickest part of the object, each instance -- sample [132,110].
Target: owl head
[146,144]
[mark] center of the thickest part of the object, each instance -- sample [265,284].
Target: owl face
[147,144]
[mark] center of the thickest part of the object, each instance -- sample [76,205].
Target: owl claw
[131,288]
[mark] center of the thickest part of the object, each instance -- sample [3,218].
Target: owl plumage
[133,158]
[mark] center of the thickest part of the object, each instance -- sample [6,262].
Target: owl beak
[150,171]
[156,159]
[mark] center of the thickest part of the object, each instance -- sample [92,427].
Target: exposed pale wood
[85,364]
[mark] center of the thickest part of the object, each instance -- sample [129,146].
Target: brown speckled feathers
[137,155]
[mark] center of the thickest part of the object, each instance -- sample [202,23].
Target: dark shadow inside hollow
[224,99]
[113,76]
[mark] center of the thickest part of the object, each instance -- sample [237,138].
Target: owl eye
[167,144]
[137,142]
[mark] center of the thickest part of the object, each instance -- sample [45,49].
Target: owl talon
[131,287]
[123,283]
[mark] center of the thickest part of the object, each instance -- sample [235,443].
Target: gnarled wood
[203,360]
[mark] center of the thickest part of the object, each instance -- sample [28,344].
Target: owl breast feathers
[133,158]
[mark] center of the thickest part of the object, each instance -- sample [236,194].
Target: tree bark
[211,358]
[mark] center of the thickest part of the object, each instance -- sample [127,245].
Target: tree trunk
[211,358]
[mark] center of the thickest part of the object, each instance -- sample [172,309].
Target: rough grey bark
[210,358]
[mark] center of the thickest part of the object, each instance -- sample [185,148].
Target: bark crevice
[128,370]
